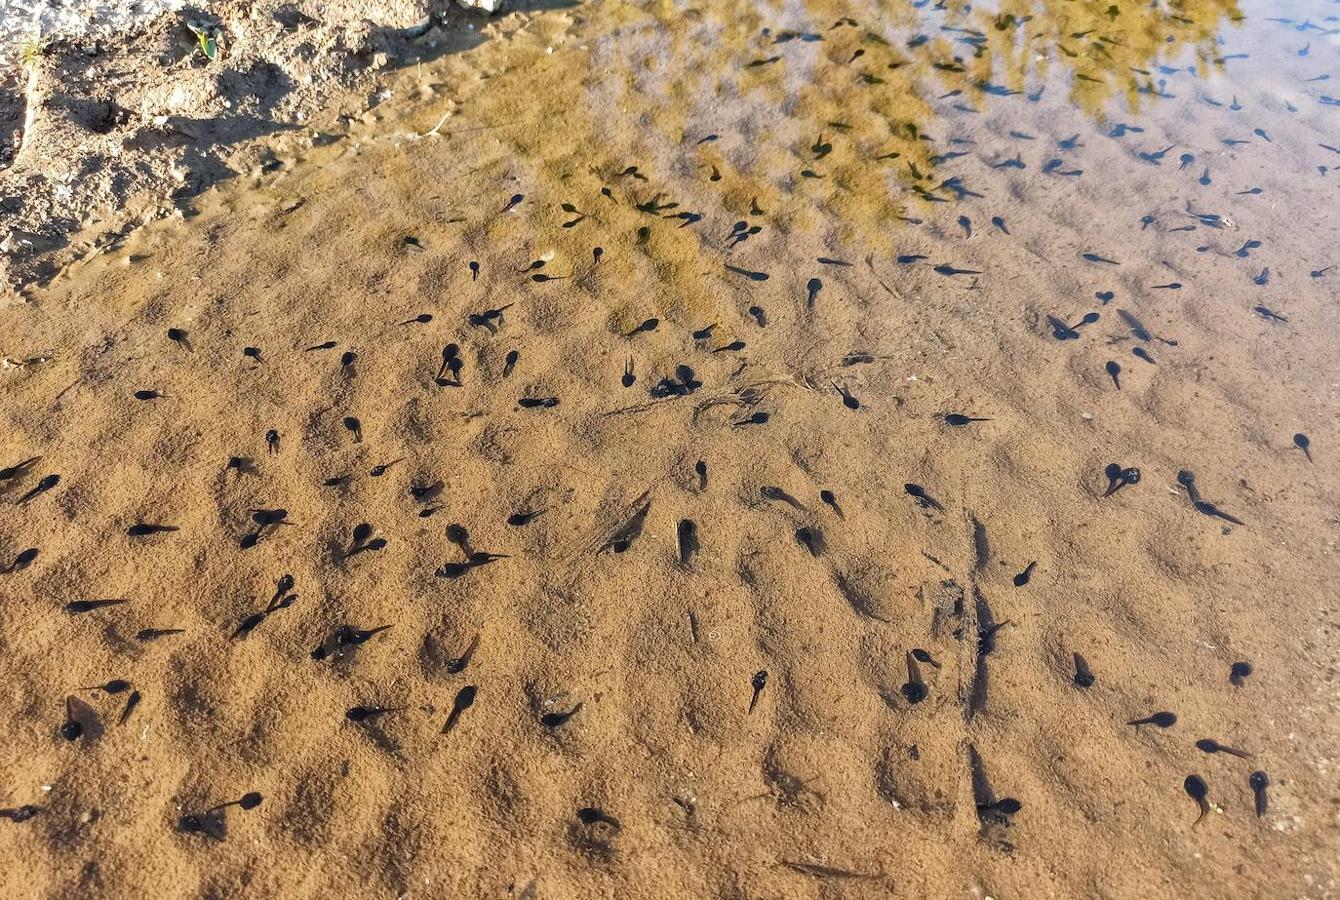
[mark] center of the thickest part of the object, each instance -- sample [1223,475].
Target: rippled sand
[664,783]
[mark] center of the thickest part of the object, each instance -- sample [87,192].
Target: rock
[488,6]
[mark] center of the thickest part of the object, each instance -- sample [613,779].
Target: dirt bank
[104,132]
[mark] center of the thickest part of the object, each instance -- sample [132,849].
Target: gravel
[22,21]
[121,120]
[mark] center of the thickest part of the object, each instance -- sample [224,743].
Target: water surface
[971,342]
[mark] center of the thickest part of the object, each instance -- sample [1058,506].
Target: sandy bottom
[921,729]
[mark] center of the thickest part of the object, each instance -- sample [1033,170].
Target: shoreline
[97,138]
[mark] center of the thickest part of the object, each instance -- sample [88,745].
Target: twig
[815,871]
[447,115]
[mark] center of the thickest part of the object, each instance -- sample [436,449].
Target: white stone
[21,21]
[489,6]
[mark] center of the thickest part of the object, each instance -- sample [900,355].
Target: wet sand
[664,783]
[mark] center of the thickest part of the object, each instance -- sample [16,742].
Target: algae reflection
[816,118]
[905,59]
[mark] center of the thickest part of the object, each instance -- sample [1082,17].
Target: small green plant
[31,50]
[206,37]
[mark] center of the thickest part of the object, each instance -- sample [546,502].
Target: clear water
[966,269]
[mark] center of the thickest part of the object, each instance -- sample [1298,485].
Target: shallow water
[967,212]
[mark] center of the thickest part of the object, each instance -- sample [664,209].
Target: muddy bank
[104,131]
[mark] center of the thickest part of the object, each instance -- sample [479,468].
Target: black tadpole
[519,519]
[812,539]
[555,719]
[367,713]
[248,801]
[1258,781]
[757,418]
[772,492]
[914,691]
[1197,790]
[20,813]
[179,336]
[1209,745]
[1083,676]
[958,420]
[828,498]
[282,587]
[1187,479]
[1118,477]
[45,484]
[591,815]
[131,702]
[644,327]
[1238,672]
[115,686]
[921,655]
[144,635]
[76,607]
[465,698]
[1302,442]
[924,500]
[71,730]
[848,400]
[456,665]
[1159,719]
[687,535]
[758,682]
